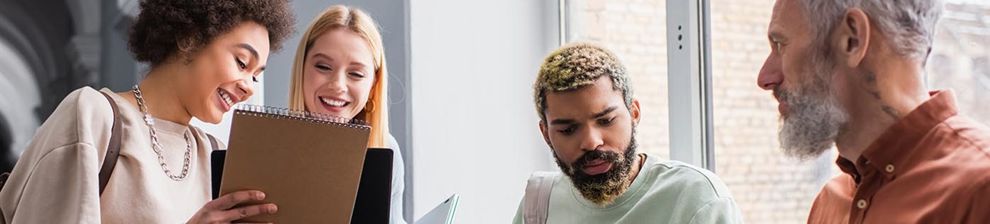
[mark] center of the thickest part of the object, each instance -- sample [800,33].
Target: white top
[56,178]
[398,181]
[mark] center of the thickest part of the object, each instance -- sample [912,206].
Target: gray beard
[815,116]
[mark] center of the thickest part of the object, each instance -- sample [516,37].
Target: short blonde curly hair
[576,65]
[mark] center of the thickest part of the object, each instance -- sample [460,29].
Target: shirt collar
[888,152]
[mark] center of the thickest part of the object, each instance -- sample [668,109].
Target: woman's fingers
[233,199]
[224,210]
[244,212]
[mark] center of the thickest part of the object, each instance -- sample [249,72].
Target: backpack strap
[113,149]
[536,202]
[213,142]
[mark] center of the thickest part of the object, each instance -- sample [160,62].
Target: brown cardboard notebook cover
[310,167]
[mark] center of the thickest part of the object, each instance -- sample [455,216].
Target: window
[635,30]
[960,59]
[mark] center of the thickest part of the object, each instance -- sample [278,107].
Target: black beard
[602,189]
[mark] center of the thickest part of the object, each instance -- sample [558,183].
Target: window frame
[689,79]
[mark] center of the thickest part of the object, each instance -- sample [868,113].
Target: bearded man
[851,73]
[588,117]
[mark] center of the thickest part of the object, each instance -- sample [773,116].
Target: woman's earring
[369,107]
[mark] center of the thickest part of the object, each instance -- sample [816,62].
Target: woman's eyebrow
[254,53]
[249,48]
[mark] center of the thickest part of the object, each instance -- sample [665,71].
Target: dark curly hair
[165,25]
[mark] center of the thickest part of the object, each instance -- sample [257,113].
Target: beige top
[56,178]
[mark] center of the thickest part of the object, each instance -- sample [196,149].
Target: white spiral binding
[279,112]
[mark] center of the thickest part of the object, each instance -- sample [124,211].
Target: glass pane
[636,31]
[960,59]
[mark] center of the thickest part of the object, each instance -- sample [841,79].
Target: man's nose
[771,74]
[591,140]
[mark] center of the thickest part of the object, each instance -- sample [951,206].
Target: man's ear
[852,37]
[546,135]
[634,111]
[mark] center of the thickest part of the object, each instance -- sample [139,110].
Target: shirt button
[889,168]
[861,204]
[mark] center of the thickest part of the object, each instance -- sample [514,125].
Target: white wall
[474,125]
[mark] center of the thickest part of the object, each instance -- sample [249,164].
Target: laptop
[442,214]
[374,193]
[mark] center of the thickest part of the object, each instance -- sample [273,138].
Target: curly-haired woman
[204,56]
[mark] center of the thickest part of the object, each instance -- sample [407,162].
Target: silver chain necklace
[157,146]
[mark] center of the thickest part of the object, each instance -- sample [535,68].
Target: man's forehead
[787,18]
[583,101]
[777,13]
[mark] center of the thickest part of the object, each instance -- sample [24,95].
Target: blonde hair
[335,17]
[576,65]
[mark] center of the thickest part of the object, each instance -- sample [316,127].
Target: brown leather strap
[113,149]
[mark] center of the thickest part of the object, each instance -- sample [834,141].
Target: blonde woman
[339,70]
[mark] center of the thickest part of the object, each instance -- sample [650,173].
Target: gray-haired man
[851,72]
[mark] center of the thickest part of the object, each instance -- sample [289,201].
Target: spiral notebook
[308,164]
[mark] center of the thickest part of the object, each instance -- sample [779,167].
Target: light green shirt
[663,192]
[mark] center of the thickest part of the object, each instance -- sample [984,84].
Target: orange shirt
[932,166]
